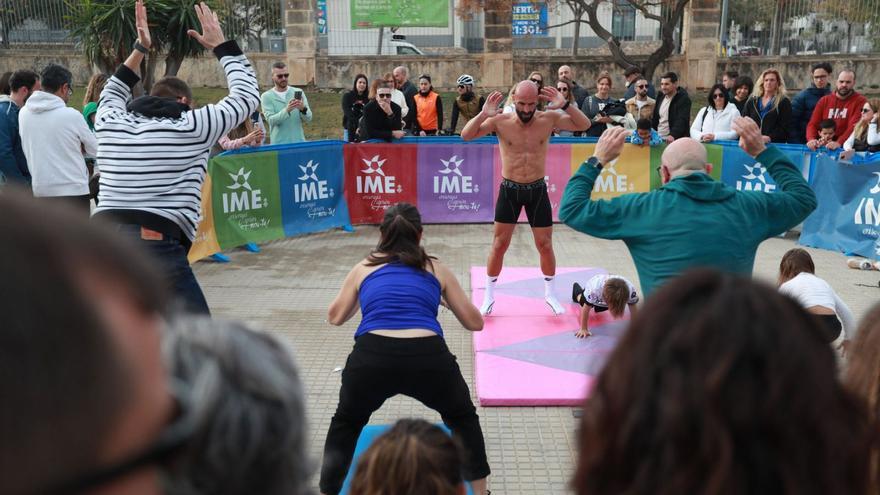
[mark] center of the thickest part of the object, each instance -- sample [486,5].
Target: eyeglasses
[282,76]
[717,95]
[384,95]
[641,85]
[563,89]
[866,110]
[162,451]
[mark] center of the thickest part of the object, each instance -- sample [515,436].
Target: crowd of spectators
[782,118]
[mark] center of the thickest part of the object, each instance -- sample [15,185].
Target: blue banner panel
[311,179]
[848,215]
[741,171]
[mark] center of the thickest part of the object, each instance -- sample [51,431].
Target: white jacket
[54,138]
[715,122]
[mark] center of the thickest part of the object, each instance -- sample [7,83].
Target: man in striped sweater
[154,150]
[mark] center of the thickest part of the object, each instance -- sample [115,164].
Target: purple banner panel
[455,183]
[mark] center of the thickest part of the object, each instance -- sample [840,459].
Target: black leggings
[830,327]
[379,368]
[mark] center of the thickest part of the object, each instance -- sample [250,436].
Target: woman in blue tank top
[399,346]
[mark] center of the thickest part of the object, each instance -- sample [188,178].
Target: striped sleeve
[158,165]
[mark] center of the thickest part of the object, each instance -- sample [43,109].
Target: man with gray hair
[247,408]
[693,220]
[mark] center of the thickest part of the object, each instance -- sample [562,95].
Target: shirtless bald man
[523,137]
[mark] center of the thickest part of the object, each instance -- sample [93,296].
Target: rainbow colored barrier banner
[262,194]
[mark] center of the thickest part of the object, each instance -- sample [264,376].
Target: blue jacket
[13,165]
[802,107]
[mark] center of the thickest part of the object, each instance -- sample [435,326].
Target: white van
[364,42]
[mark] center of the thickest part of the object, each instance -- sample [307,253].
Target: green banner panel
[246,198]
[367,14]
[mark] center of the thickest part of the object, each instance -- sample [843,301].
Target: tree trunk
[172,64]
[849,26]
[578,14]
[381,34]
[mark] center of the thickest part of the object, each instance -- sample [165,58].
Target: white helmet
[465,80]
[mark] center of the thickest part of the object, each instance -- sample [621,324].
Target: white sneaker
[557,308]
[486,307]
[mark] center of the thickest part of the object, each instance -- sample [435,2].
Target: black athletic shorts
[514,196]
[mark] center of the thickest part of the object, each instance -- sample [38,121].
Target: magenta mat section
[526,356]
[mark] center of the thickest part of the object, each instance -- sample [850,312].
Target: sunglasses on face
[282,76]
[563,89]
[384,95]
[640,86]
[461,86]
[162,452]
[537,81]
[717,95]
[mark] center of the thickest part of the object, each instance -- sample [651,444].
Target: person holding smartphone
[286,108]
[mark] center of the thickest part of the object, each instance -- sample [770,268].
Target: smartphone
[255,117]
[297,95]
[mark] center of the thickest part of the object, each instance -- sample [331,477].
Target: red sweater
[845,113]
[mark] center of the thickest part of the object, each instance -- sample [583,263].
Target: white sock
[550,297]
[488,296]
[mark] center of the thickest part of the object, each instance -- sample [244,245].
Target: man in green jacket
[693,220]
[286,108]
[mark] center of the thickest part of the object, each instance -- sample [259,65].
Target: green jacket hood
[701,187]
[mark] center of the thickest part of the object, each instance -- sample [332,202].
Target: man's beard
[525,117]
[844,92]
[425,93]
[643,94]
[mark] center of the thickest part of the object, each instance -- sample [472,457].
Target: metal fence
[258,25]
[801,27]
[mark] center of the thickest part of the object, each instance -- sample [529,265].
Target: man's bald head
[564,72]
[683,157]
[525,90]
[525,99]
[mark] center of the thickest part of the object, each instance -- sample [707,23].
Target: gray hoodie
[54,138]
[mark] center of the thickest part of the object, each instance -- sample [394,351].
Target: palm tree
[105,31]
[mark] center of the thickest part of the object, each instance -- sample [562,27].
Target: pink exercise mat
[526,356]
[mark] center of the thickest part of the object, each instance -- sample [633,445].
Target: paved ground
[286,290]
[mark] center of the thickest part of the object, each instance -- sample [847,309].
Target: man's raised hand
[211,34]
[750,138]
[140,23]
[610,144]
[490,108]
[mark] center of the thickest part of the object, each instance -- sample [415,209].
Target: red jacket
[845,113]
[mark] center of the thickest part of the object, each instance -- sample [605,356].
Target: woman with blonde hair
[769,107]
[865,136]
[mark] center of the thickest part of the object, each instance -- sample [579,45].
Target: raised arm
[603,218]
[117,92]
[795,199]
[217,120]
[484,122]
[573,119]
